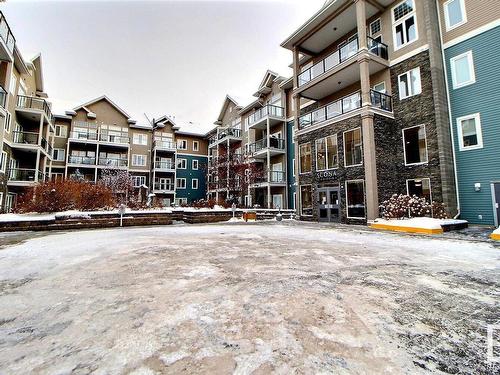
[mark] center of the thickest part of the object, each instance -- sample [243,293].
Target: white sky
[157,57]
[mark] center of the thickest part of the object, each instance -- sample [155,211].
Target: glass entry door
[329,204]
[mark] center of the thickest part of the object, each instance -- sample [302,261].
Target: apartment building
[27,128]
[377,122]
[469,29]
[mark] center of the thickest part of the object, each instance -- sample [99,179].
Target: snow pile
[72,215]
[8,218]
[497,231]
[420,222]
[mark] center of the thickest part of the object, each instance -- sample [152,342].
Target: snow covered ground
[240,298]
[420,222]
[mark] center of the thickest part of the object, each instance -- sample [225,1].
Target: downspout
[449,109]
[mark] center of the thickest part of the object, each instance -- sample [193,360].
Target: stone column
[268,162]
[296,99]
[361,21]
[369,161]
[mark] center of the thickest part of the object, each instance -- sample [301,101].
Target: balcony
[230,135]
[7,40]
[340,69]
[121,139]
[113,162]
[3,97]
[259,149]
[30,141]
[33,104]
[275,178]
[165,145]
[82,160]
[381,101]
[24,176]
[258,119]
[83,136]
[164,187]
[167,166]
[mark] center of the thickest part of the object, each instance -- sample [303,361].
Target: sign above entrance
[325,175]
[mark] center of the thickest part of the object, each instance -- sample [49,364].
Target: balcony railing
[3,97]
[114,138]
[87,136]
[32,102]
[6,34]
[113,162]
[274,143]
[164,165]
[339,56]
[46,146]
[164,186]
[229,132]
[274,177]
[29,138]
[381,100]
[268,110]
[331,110]
[86,160]
[164,144]
[24,175]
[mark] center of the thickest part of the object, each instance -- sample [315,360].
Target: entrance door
[496,192]
[329,204]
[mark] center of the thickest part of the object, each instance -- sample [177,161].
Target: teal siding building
[474,90]
[196,169]
[290,164]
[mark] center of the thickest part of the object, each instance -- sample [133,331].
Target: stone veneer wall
[343,173]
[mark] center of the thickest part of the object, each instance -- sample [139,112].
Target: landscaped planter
[423,225]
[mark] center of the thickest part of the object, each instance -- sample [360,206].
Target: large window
[182,144]
[305,158]
[409,83]
[194,165]
[182,163]
[194,184]
[306,206]
[327,153]
[61,131]
[462,70]
[470,136]
[353,148]
[355,192]
[138,160]
[140,139]
[181,183]
[420,187]
[138,181]
[58,154]
[454,14]
[3,161]
[415,145]
[404,24]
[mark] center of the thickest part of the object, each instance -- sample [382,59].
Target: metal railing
[381,100]
[25,175]
[339,56]
[267,110]
[229,132]
[113,162]
[164,164]
[6,34]
[86,160]
[46,146]
[32,102]
[275,143]
[164,144]
[274,177]
[30,138]
[80,135]
[3,97]
[164,186]
[331,110]
[114,138]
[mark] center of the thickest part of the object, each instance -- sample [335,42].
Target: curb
[396,228]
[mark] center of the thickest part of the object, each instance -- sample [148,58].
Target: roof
[102,97]
[37,63]
[228,99]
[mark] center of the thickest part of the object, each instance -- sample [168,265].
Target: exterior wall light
[477,186]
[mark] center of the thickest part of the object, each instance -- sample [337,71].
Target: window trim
[134,177]
[197,184]
[58,149]
[139,136]
[140,165]
[347,202]
[380,83]
[196,146]
[479,132]
[370,27]
[408,73]
[3,161]
[177,183]
[197,164]
[300,201]
[447,18]
[470,61]
[426,146]
[182,148]
[179,162]
[402,20]
[327,165]
[8,122]
[422,178]
[343,146]
[60,127]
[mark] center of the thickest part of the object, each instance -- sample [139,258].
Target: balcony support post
[268,142]
[40,132]
[37,164]
[371,184]
[361,23]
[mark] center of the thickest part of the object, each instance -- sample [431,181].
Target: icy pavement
[245,298]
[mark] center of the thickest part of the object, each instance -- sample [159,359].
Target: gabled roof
[102,97]
[227,100]
[265,86]
[37,64]
[163,120]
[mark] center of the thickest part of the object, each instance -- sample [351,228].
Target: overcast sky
[157,57]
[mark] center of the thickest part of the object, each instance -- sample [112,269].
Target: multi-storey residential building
[377,122]
[27,123]
[469,30]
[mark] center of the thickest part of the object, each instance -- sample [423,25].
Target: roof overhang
[19,62]
[102,97]
[37,63]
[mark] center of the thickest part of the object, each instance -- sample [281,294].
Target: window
[3,161]
[12,86]
[138,181]
[58,154]
[196,145]
[454,14]
[61,131]
[181,183]
[138,160]
[353,148]
[409,83]
[326,153]
[415,145]
[404,24]
[293,167]
[380,87]
[194,184]
[194,165]
[305,158]
[355,192]
[182,144]
[375,27]
[140,139]
[182,163]
[419,187]
[470,136]
[462,70]
[306,200]
[8,119]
